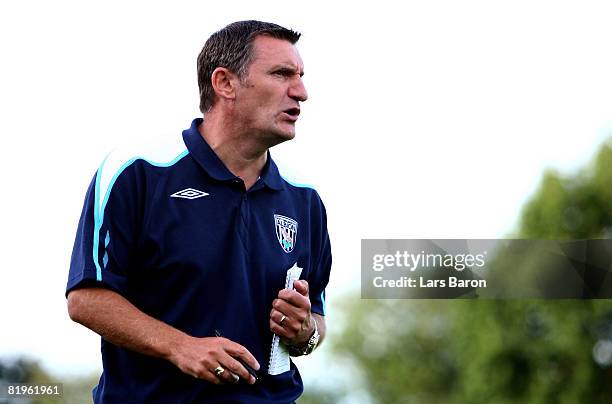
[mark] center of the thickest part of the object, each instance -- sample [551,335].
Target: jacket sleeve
[106,237]
[319,276]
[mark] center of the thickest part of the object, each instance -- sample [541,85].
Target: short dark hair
[232,48]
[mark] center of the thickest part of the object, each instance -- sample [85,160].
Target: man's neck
[234,148]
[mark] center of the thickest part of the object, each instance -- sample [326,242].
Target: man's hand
[200,357]
[121,323]
[290,317]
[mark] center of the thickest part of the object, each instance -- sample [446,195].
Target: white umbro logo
[189,193]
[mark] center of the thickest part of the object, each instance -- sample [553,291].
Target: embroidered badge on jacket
[286,232]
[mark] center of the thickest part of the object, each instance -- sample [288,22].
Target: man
[195,239]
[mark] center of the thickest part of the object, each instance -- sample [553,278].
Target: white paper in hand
[279,355]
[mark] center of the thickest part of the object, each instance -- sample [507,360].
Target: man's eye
[283,73]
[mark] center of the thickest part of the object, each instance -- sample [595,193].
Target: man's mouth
[292,113]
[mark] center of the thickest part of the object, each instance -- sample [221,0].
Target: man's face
[268,101]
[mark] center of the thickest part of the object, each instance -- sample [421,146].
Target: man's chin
[289,135]
[279,134]
[278,139]
[285,134]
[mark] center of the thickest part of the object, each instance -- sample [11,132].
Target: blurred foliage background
[469,351]
[494,351]
[76,390]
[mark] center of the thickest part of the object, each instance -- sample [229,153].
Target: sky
[424,120]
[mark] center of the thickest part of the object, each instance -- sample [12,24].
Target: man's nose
[297,91]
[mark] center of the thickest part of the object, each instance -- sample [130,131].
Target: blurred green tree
[493,351]
[76,390]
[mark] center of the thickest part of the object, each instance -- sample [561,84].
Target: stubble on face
[268,98]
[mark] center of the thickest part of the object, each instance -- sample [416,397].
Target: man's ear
[224,83]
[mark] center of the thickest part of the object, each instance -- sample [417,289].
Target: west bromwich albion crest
[286,232]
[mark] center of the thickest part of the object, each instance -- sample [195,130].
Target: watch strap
[309,346]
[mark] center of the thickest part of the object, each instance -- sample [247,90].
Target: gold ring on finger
[219,370]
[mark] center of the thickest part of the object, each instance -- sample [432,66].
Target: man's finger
[291,310]
[280,323]
[278,317]
[294,298]
[210,376]
[223,373]
[301,286]
[234,369]
[282,332]
[238,351]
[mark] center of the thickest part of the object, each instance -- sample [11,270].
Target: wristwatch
[310,345]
